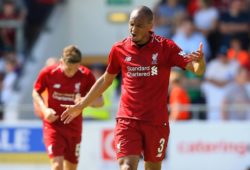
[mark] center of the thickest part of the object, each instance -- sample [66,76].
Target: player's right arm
[95,92]
[48,114]
[40,86]
[97,89]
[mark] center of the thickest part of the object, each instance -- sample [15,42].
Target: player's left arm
[197,63]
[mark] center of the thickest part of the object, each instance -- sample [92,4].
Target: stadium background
[94,25]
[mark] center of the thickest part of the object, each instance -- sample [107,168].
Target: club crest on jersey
[154,58]
[128,58]
[57,86]
[77,87]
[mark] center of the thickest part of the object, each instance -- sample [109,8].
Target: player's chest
[63,85]
[142,58]
[145,63]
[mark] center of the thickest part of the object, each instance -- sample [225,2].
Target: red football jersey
[145,76]
[62,90]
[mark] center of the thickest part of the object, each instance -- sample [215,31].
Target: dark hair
[188,19]
[98,66]
[71,54]
[144,10]
[208,2]
[222,50]
[8,2]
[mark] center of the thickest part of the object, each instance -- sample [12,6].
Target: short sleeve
[114,65]
[176,55]
[41,84]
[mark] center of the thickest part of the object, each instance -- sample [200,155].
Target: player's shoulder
[50,69]
[164,42]
[123,43]
[84,70]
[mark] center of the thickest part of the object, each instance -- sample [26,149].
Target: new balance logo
[128,58]
[57,86]
[154,71]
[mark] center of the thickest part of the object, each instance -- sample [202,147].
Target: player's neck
[67,72]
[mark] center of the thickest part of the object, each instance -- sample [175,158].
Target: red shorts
[60,145]
[133,137]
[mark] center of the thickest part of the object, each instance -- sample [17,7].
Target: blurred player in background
[145,61]
[65,83]
[179,100]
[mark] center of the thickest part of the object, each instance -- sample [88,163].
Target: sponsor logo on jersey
[64,96]
[57,86]
[142,71]
[154,71]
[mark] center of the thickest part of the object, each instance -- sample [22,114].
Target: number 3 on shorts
[161,147]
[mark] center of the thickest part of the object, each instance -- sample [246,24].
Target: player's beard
[137,39]
[140,40]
